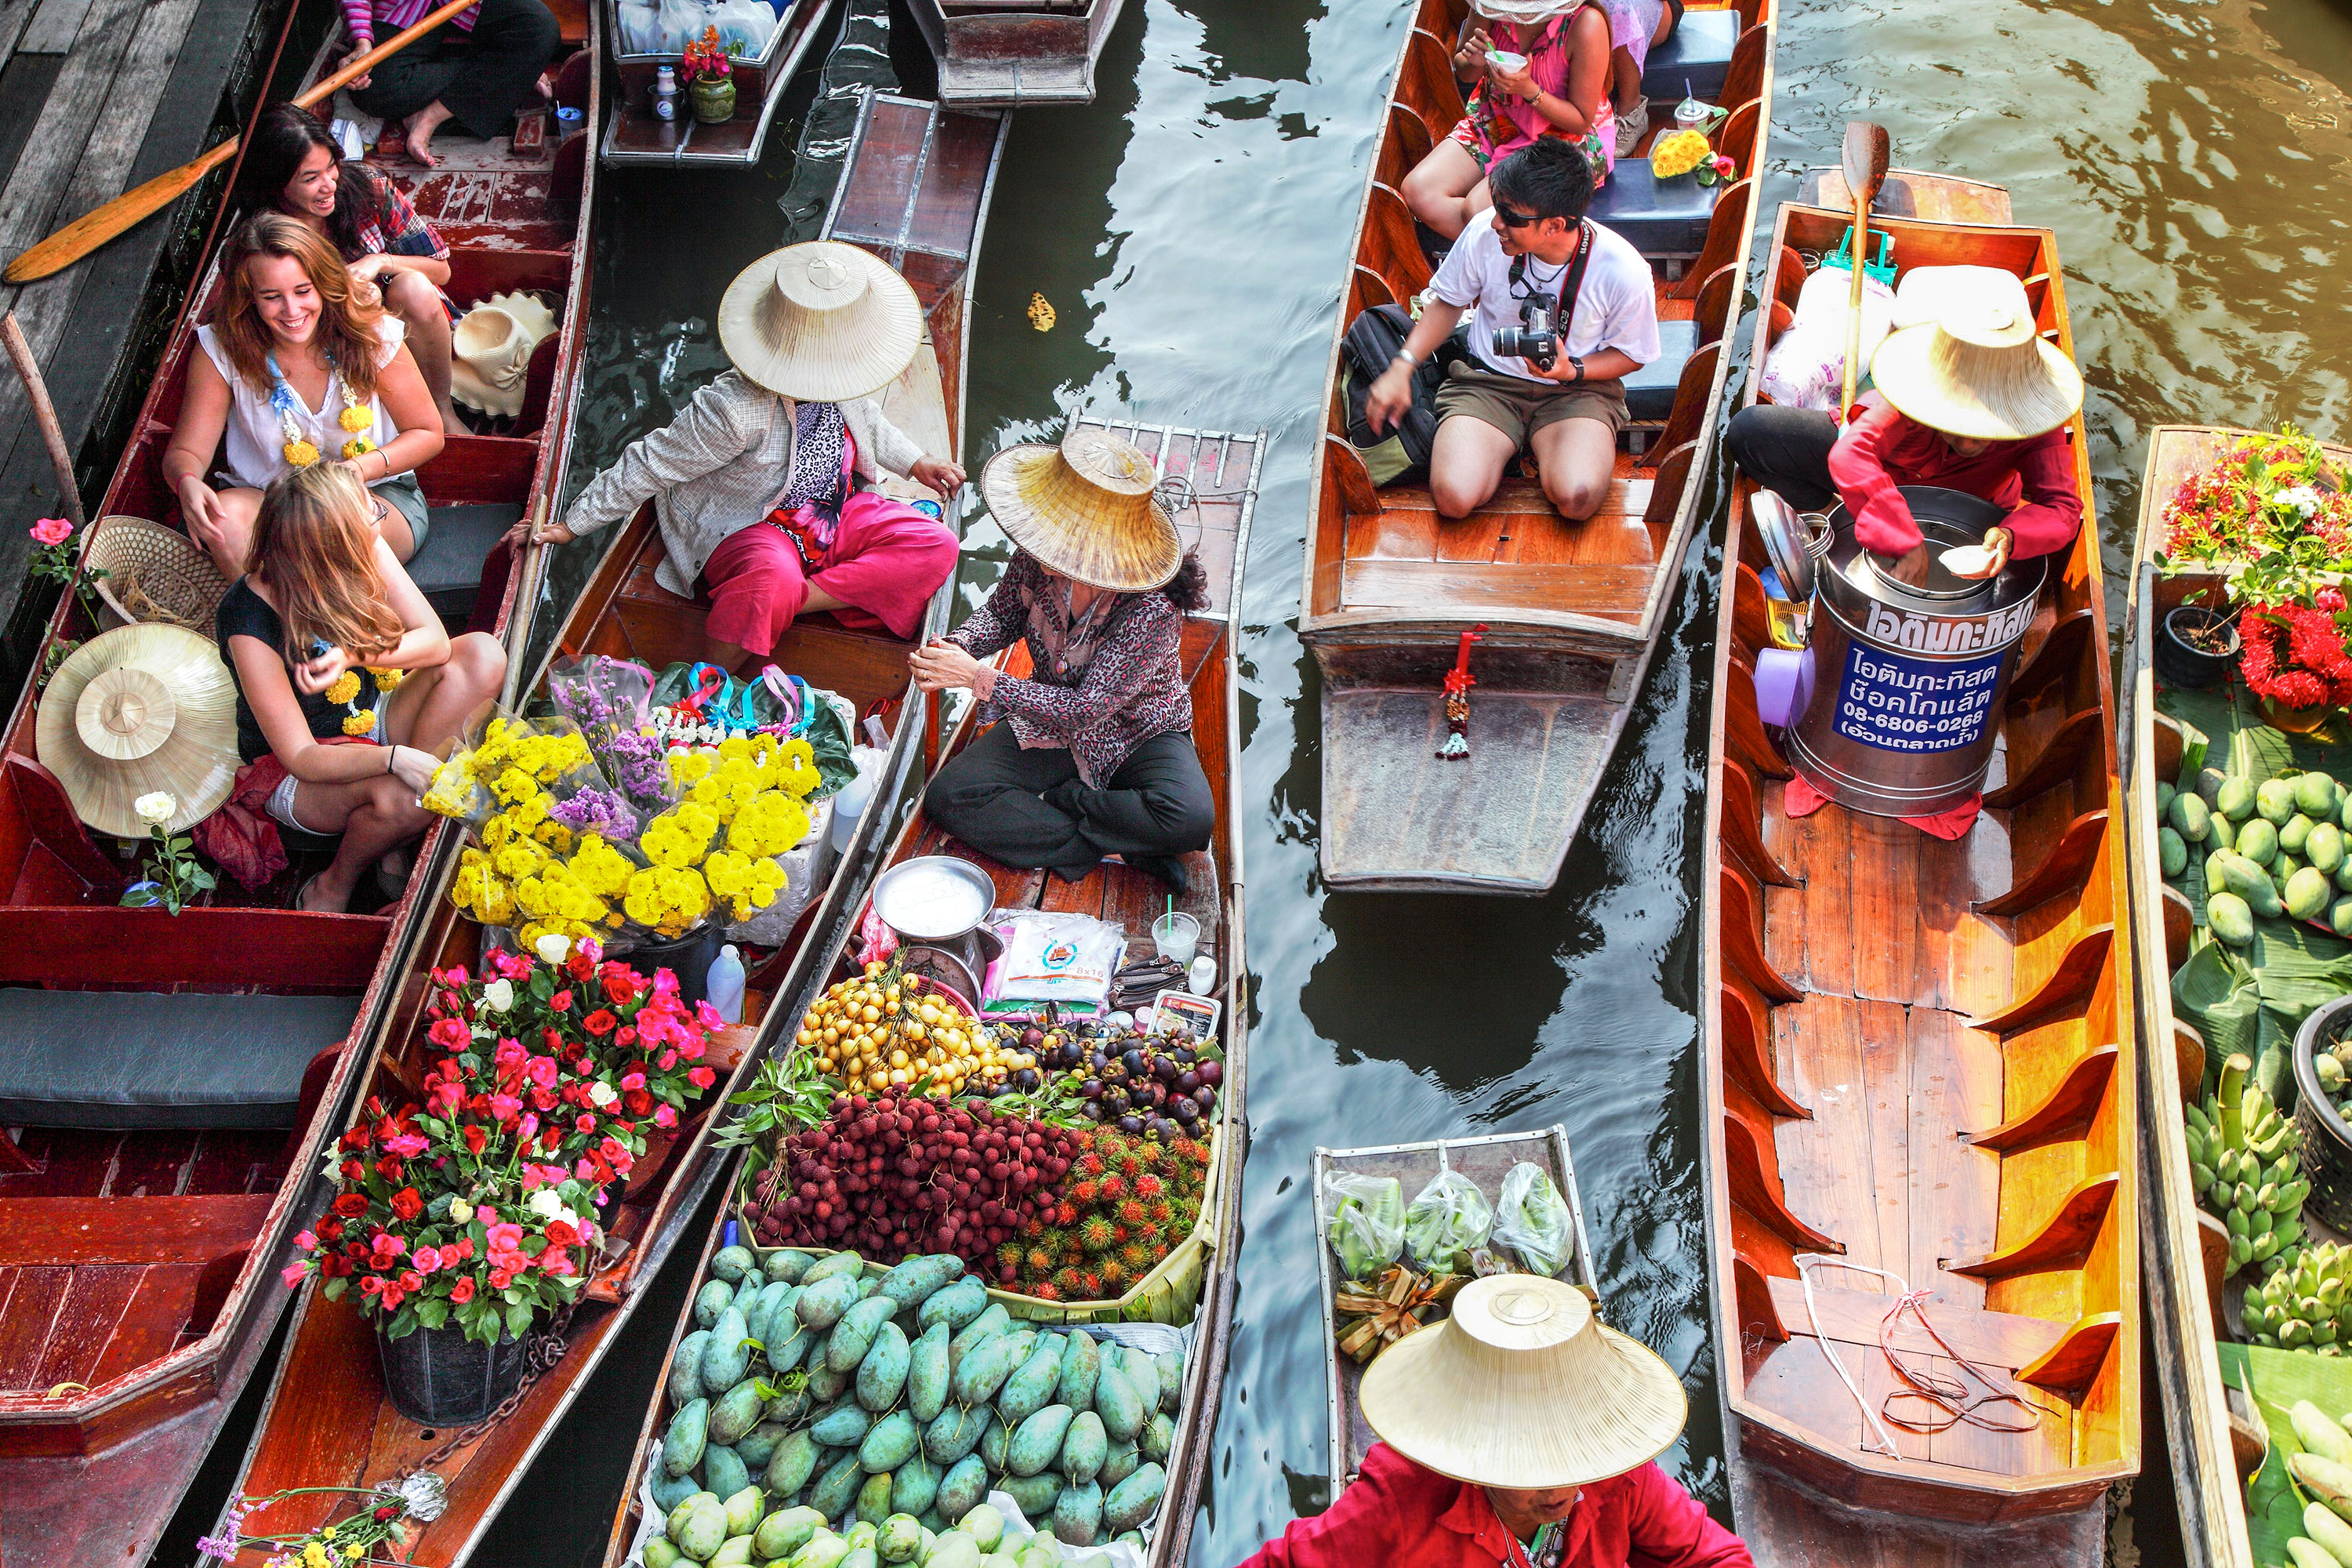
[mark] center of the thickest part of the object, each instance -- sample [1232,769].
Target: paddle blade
[1865,156]
[101,224]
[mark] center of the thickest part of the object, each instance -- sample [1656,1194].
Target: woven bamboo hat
[1523,1389]
[154,574]
[1980,370]
[1086,508]
[821,322]
[138,709]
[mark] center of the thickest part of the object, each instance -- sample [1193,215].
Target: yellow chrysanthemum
[344,688]
[358,447]
[453,792]
[771,824]
[601,868]
[667,900]
[747,882]
[299,454]
[360,724]
[355,417]
[1678,152]
[679,836]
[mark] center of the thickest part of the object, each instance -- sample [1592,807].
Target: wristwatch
[1578,360]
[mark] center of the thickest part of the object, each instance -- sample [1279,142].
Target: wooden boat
[1483,1161]
[1570,611]
[1219,475]
[1918,1059]
[634,133]
[327,1421]
[1011,52]
[2214,1437]
[141,1232]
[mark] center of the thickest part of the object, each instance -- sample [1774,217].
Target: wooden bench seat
[1617,592]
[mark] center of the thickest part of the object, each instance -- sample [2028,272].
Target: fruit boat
[1919,1059]
[153,1181]
[1218,475]
[328,1421]
[1568,613]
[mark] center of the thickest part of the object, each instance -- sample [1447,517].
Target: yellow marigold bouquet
[481,891]
[726,778]
[1678,152]
[667,901]
[681,836]
[771,824]
[559,901]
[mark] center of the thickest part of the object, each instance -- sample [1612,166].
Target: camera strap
[1573,284]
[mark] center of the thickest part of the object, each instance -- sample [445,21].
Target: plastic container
[439,1377]
[1201,978]
[849,806]
[2326,1141]
[689,957]
[666,93]
[1690,113]
[1175,934]
[723,985]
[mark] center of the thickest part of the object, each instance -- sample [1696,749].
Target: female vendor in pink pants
[756,484]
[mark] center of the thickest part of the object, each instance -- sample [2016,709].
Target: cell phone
[321,647]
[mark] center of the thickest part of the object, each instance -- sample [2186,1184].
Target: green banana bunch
[2303,1305]
[2243,1159]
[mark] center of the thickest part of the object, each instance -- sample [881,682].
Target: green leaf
[2276,1379]
[432,1312]
[518,1319]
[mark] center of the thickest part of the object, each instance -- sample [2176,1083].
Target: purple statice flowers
[598,811]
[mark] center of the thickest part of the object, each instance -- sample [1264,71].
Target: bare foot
[420,133]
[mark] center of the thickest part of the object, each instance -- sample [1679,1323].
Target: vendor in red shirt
[1974,401]
[1518,1432]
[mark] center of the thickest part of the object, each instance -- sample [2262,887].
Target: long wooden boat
[1219,475]
[1569,611]
[635,134]
[1918,1059]
[1482,1160]
[1010,53]
[327,1421]
[2214,1437]
[141,1232]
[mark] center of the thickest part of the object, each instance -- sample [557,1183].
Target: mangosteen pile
[1152,1086]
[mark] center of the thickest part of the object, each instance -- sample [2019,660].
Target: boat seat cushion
[141,1059]
[1698,53]
[449,568]
[1666,218]
[1650,391]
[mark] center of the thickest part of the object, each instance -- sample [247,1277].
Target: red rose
[701,1078]
[387,1513]
[353,1170]
[600,1022]
[639,1101]
[355,1139]
[407,1202]
[620,986]
[561,1000]
[560,1234]
[476,1138]
[410,1280]
[462,1292]
[331,1230]
[335,1268]
[578,965]
[389,1167]
[584,1123]
[351,1205]
[500,1278]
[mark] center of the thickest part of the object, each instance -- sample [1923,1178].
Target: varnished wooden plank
[93,1304]
[1887,1102]
[2057,1239]
[127,1230]
[2072,1364]
[149,1326]
[1830,893]
[1618,592]
[1817,1048]
[2000,1339]
[2067,1108]
[1884,880]
[34,1298]
[1954,1190]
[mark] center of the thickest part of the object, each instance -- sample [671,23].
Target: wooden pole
[44,416]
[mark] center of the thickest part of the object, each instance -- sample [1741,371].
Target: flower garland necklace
[357,416]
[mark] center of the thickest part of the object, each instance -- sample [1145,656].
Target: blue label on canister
[1900,704]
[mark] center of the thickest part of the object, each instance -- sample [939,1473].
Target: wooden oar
[1865,170]
[528,571]
[102,224]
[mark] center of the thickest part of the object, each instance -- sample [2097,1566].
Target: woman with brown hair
[338,659]
[296,369]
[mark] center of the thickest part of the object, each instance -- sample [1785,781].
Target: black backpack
[1371,342]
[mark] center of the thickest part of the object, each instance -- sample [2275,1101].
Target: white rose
[156,808]
[545,1203]
[603,1093]
[498,995]
[554,948]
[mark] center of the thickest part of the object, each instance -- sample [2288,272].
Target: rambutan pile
[1130,1201]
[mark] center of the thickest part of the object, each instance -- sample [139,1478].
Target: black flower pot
[439,1377]
[688,957]
[2182,664]
[2327,1142]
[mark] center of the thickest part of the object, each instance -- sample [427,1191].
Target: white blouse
[257,436]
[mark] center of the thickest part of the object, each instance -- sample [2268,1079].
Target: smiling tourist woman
[1518,1432]
[296,369]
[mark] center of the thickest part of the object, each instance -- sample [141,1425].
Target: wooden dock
[96,96]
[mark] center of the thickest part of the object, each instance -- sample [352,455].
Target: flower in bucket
[2272,513]
[472,1208]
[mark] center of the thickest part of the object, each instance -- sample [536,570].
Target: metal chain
[541,1353]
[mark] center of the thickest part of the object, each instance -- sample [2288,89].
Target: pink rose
[307,1242]
[701,1078]
[556,1260]
[450,1035]
[393,1297]
[294,1274]
[633,1080]
[505,1108]
[668,1060]
[408,1145]
[505,1238]
[540,1071]
[426,1259]
[52,531]
[664,1116]
[529,1128]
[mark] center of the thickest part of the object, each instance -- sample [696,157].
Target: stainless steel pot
[1906,682]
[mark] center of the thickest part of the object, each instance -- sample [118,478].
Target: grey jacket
[719,467]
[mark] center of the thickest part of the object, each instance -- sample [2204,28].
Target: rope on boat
[1805,1262]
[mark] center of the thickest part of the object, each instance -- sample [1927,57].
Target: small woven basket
[154,575]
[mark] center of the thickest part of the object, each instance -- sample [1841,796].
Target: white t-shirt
[256,436]
[1617,307]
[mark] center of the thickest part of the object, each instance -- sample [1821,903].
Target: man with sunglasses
[1538,242]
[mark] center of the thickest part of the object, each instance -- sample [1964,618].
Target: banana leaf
[2254,1000]
[2239,743]
[2277,1379]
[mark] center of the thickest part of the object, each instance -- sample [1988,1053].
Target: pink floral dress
[1497,124]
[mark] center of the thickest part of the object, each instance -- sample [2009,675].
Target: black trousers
[1787,451]
[479,76]
[1028,809]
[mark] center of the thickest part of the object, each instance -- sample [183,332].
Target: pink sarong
[886,560]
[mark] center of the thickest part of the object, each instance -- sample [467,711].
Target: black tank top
[244,613]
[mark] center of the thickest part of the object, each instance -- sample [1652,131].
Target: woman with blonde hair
[298,369]
[338,658]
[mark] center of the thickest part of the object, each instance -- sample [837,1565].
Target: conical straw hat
[1088,508]
[137,709]
[1522,1389]
[490,349]
[1980,370]
[820,322]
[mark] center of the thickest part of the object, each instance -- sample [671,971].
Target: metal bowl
[933,898]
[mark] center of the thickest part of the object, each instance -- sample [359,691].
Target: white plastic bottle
[724,988]
[850,804]
[666,93]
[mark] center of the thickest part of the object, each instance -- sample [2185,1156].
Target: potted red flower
[706,68]
[466,1218]
[2294,659]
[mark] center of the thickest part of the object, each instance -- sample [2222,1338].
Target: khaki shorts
[1518,407]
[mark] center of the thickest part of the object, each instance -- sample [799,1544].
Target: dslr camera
[1536,337]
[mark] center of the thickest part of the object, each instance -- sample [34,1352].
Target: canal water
[1190,230]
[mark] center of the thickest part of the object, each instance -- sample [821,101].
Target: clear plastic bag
[1532,1219]
[605,697]
[1447,1222]
[1367,1228]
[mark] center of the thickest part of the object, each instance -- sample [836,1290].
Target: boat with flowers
[1538,629]
[2235,668]
[1921,1144]
[655,840]
[167,1080]
[1182,1282]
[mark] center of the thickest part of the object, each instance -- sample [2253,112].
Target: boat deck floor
[1791,1528]
[1112,891]
[1516,552]
[106,1240]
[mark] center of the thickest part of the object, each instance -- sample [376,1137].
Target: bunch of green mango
[864,1392]
[2274,848]
[2323,1472]
[2243,1159]
[741,1532]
